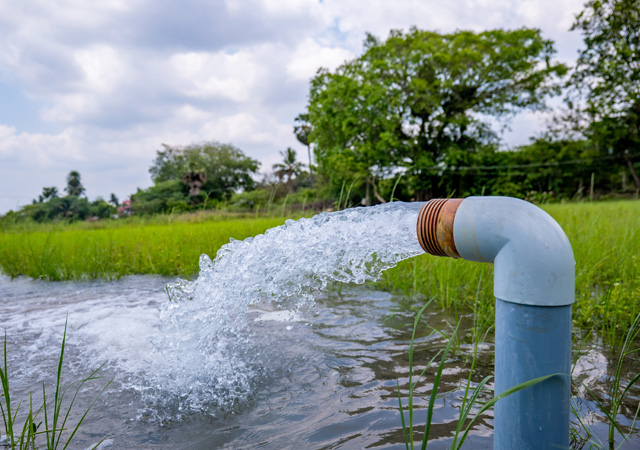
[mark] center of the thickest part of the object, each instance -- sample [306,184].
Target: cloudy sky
[97,86]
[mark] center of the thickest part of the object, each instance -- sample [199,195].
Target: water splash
[205,332]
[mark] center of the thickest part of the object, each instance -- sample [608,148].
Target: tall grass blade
[404,425]
[6,416]
[395,185]
[466,410]
[55,419]
[91,377]
[506,393]
[434,390]
[349,191]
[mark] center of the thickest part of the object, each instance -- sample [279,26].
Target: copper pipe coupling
[435,226]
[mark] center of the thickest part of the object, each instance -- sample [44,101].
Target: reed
[56,417]
[617,392]
[472,393]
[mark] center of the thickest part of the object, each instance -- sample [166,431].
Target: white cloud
[39,150]
[191,114]
[292,7]
[217,75]
[68,107]
[248,128]
[310,55]
[102,67]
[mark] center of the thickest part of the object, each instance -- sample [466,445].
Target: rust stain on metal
[445,227]
[435,226]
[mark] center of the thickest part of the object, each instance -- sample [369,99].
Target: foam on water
[207,358]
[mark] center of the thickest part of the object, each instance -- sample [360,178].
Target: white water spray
[207,354]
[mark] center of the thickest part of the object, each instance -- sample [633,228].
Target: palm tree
[74,185]
[289,168]
[114,200]
[49,192]
[303,130]
[66,207]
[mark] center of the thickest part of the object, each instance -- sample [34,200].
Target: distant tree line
[212,174]
[50,205]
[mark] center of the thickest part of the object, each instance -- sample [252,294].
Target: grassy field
[605,239]
[119,248]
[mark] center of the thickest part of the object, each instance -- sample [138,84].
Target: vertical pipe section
[534,285]
[531,342]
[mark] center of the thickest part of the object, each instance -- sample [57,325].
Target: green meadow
[163,245]
[605,237]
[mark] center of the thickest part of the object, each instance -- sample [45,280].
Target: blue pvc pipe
[534,282]
[531,342]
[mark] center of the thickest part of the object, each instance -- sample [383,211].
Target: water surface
[321,378]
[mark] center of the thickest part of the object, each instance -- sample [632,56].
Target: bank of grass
[164,246]
[605,238]
[11,225]
[606,243]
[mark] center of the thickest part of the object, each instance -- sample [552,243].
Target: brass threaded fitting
[435,226]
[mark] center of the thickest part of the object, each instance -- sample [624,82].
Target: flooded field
[319,377]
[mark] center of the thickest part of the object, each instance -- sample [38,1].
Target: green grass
[119,249]
[605,239]
[55,429]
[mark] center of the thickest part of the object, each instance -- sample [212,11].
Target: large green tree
[607,74]
[422,100]
[220,168]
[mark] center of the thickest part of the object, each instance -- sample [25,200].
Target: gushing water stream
[204,329]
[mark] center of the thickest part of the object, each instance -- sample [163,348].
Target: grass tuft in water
[470,401]
[616,396]
[33,430]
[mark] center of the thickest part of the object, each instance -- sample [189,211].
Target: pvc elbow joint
[533,259]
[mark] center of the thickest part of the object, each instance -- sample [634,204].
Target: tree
[74,185]
[420,100]
[49,192]
[302,129]
[608,74]
[221,168]
[289,168]
[164,196]
[101,209]
[114,200]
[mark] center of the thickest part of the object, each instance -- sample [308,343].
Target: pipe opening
[435,226]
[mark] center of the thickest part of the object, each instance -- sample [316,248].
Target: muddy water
[319,378]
